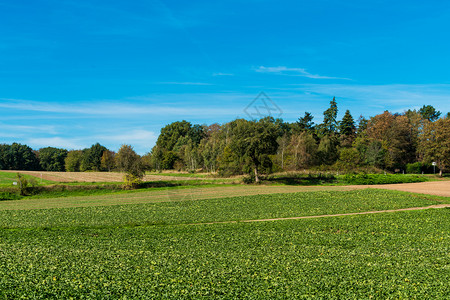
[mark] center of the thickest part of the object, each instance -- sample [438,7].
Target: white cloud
[28,129]
[411,94]
[223,74]
[55,142]
[185,83]
[373,99]
[142,140]
[282,70]
[131,137]
[114,108]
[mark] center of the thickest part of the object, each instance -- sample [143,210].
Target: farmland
[102,176]
[143,244]
[400,255]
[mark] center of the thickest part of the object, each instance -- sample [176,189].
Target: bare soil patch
[95,176]
[437,188]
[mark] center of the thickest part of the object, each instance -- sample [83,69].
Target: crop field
[215,210]
[152,250]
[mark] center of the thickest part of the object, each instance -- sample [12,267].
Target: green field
[7,179]
[146,250]
[215,210]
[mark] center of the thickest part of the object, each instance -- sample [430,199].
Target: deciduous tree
[73,161]
[128,161]
[254,140]
[107,161]
[434,145]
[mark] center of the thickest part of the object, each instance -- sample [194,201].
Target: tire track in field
[325,216]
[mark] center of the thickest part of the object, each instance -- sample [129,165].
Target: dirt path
[325,216]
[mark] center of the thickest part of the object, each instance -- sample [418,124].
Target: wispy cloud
[223,74]
[55,142]
[373,99]
[105,108]
[133,136]
[185,83]
[282,70]
[5,128]
[142,140]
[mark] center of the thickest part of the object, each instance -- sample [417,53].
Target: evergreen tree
[347,129]
[52,159]
[347,125]
[362,125]
[92,158]
[306,123]
[429,113]
[18,157]
[330,124]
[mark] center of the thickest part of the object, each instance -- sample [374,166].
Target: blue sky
[73,73]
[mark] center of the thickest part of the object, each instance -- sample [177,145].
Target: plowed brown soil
[94,176]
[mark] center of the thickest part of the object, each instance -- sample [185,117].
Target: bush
[27,186]
[414,168]
[419,168]
[249,179]
[131,181]
[9,196]
[369,179]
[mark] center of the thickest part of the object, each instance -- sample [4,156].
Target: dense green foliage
[435,143]
[52,159]
[396,255]
[381,179]
[17,157]
[387,141]
[9,196]
[129,162]
[429,113]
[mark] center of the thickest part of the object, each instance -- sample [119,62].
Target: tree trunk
[256,175]
[440,172]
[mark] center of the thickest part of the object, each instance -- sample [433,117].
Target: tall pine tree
[347,129]
[330,124]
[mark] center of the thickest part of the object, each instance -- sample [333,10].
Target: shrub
[9,196]
[27,186]
[249,179]
[414,168]
[381,179]
[131,181]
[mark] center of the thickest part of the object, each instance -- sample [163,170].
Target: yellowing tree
[434,144]
[129,162]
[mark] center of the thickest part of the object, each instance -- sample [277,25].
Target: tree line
[407,141]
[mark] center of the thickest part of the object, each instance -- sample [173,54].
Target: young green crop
[397,255]
[217,210]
